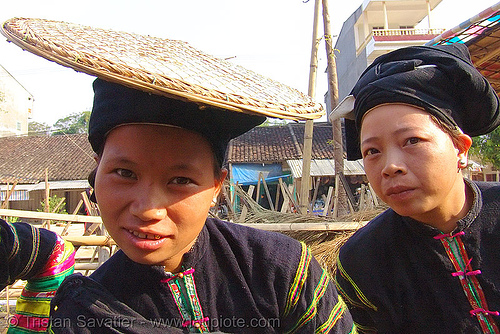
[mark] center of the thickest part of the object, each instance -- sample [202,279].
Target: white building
[378,27]
[16,104]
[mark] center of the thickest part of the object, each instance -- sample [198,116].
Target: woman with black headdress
[430,263]
[162,117]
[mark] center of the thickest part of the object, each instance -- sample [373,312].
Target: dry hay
[324,245]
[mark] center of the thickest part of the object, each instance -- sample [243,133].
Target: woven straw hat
[165,67]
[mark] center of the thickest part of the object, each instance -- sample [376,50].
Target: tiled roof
[67,157]
[70,157]
[280,143]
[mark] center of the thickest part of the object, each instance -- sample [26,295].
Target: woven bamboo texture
[161,66]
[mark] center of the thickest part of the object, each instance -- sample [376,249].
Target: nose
[150,203]
[394,165]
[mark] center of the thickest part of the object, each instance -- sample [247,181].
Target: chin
[145,259]
[407,211]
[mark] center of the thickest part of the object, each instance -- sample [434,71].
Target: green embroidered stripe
[345,295]
[311,311]
[34,251]
[49,282]
[336,314]
[16,330]
[299,280]
[365,329]
[359,293]
[15,244]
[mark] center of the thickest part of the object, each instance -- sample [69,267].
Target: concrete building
[16,104]
[378,27]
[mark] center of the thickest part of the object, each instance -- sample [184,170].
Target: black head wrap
[116,105]
[440,79]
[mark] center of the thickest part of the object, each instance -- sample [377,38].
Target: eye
[128,174]
[370,151]
[412,141]
[181,180]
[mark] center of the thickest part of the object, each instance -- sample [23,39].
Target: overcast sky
[271,37]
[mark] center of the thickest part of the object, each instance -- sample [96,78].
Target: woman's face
[412,164]
[154,186]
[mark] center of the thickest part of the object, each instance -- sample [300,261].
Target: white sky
[271,37]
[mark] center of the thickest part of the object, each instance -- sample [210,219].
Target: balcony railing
[406,32]
[393,34]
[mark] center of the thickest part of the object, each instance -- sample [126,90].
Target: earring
[462,163]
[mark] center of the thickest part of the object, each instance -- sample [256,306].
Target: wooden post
[229,201]
[333,92]
[257,195]
[362,198]
[68,224]
[316,186]
[336,201]
[244,209]
[47,197]
[309,126]
[268,194]
[7,306]
[374,196]
[93,227]
[326,209]
[289,200]
[8,194]
[278,192]
[286,200]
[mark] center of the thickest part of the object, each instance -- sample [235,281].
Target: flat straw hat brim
[165,67]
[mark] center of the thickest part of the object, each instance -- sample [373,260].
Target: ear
[97,158]
[219,183]
[463,144]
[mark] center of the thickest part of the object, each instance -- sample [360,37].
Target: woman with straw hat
[160,126]
[429,264]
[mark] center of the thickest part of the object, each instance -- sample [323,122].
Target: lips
[397,190]
[148,236]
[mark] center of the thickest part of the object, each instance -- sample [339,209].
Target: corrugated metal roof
[326,167]
[70,184]
[21,191]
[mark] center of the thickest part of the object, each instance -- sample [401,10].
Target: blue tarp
[246,174]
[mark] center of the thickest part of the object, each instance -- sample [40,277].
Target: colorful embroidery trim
[183,289]
[455,249]
[362,298]
[33,306]
[311,311]
[299,280]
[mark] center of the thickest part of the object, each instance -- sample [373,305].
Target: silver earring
[462,163]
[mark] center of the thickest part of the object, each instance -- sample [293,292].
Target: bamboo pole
[333,226]
[51,216]
[309,126]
